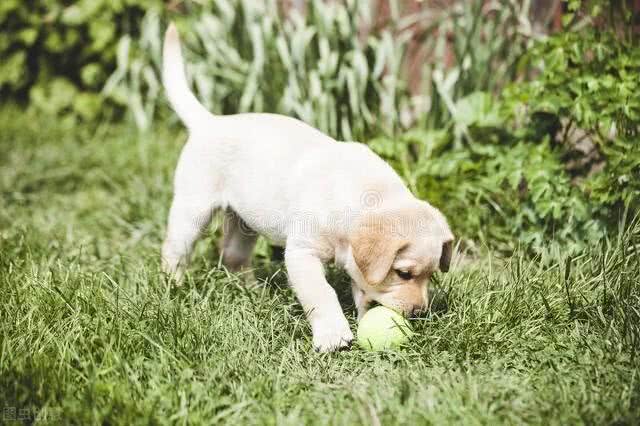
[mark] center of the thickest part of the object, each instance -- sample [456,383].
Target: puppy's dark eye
[405,275]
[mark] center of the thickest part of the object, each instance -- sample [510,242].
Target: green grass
[91,333]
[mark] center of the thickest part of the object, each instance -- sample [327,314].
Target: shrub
[495,185]
[587,93]
[553,162]
[59,54]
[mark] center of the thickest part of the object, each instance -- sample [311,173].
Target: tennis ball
[383,328]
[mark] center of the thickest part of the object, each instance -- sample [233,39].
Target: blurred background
[519,119]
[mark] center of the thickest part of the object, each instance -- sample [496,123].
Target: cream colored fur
[321,199]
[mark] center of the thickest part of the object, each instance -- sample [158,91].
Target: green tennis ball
[383,328]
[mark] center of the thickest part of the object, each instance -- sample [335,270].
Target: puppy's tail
[182,99]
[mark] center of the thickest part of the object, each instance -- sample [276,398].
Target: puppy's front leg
[306,273]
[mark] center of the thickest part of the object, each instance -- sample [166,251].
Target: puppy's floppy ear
[375,247]
[445,257]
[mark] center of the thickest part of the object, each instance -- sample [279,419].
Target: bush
[59,54]
[495,185]
[553,162]
[587,95]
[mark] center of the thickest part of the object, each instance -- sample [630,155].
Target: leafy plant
[331,67]
[315,67]
[551,163]
[496,186]
[58,54]
[588,85]
[478,46]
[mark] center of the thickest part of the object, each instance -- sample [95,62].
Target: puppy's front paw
[328,337]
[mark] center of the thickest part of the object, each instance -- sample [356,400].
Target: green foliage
[333,67]
[589,83]
[249,58]
[495,186]
[554,161]
[475,48]
[58,54]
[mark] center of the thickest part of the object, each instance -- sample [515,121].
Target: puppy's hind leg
[237,246]
[193,204]
[187,220]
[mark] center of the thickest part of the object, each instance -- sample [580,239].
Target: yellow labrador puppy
[321,199]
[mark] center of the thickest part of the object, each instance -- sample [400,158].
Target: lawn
[90,331]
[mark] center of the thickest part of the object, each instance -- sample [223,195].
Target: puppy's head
[396,251]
